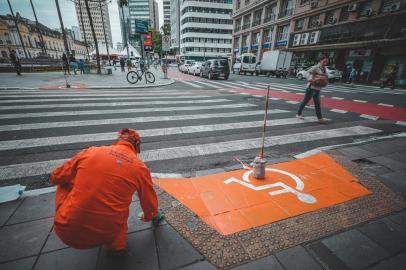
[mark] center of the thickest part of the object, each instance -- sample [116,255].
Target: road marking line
[117,111]
[45,167]
[386,105]
[97,137]
[292,102]
[371,117]
[192,84]
[94,95]
[98,99]
[338,111]
[81,123]
[245,94]
[360,101]
[258,96]
[209,84]
[274,98]
[111,104]
[401,123]
[339,98]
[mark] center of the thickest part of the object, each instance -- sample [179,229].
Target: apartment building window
[286,8]
[270,12]
[244,41]
[246,21]
[283,33]
[314,21]
[330,18]
[365,9]
[257,17]
[247,2]
[255,38]
[304,2]
[344,14]
[299,24]
[238,4]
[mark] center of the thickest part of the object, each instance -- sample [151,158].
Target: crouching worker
[94,193]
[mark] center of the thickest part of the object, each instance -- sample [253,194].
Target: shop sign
[266,45]
[281,43]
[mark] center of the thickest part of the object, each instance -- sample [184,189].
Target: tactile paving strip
[229,251]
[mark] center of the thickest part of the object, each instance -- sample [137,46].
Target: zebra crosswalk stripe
[44,167]
[192,84]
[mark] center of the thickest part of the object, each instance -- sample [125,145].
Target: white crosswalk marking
[192,84]
[37,129]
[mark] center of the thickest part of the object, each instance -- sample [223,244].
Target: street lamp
[65,42]
[18,29]
[104,30]
[39,30]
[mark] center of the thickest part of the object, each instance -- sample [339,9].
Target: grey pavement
[28,241]
[42,80]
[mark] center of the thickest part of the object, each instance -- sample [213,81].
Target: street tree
[156,41]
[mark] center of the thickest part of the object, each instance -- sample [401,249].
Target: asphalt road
[194,124]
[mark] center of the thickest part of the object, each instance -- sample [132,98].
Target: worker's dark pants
[17,67]
[315,94]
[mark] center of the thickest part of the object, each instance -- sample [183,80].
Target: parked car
[215,68]
[245,63]
[195,68]
[258,69]
[332,73]
[185,66]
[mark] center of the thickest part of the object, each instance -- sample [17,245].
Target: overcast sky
[47,14]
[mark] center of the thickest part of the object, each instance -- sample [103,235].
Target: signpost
[166,47]
[141,26]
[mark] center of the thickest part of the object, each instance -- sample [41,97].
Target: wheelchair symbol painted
[303,197]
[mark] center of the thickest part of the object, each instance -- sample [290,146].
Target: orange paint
[234,201]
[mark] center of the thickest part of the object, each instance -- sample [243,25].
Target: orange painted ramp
[234,201]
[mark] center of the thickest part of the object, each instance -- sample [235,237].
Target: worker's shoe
[299,116]
[323,121]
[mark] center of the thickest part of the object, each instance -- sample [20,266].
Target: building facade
[53,46]
[76,33]
[154,14]
[175,26]
[97,13]
[166,6]
[205,29]
[369,35]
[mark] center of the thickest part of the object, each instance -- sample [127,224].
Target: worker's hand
[156,220]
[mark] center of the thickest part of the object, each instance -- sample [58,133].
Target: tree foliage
[156,41]
[166,29]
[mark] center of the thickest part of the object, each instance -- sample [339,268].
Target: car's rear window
[220,62]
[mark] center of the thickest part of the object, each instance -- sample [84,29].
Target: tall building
[96,12]
[175,26]
[167,11]
[76,33]
[206,29]
[154,14]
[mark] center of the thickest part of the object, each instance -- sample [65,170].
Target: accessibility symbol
[303,197]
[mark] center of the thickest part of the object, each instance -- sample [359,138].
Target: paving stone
[23,240]
[23,264]
[266,263]
[142,254]
[67,259]
[400,156]
[233,167]
[204,265]
[387,162]
[53,243]
[6,209]
[399,218]
[134,223]
[356,152]
[173,250]
[385,147]
[396,181]
[395,263]
[387,234]
[325,257]
[296,258]
[32,208]
[355,249]
[279,160]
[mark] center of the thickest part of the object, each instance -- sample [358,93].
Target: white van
[245,63]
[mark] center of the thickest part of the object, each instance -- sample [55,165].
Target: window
[304,2]
[344,14]
[365,9]
[330,18]
[257,17]
[244,41]
[268,35]
[299,25]
[270,12]
[314,21]
[283,33]
[255,38]
[238,5]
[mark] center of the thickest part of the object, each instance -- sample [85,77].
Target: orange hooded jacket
[95,189]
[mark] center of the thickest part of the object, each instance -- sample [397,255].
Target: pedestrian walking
[142,63]
[65,63]
[73,63]
[114,64]
[129,64]
[16,62]
[353,75]
[317,79]
[95,190]
[390,79]
[122,64]
[82,66]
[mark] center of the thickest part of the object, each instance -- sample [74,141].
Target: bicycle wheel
[149,77]
[132,77]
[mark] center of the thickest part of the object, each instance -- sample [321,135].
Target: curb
[171,81]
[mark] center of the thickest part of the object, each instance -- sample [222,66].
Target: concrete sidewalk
[56,80]
[28,241]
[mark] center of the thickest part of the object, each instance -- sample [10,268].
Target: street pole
[94,36]
[62,28]
[125,31]
[18,29]
[83,29]
[39,31]
[104,31]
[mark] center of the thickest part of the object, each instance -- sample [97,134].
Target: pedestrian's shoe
[299,116]
[323,121]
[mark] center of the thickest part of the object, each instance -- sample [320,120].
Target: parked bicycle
[134,76]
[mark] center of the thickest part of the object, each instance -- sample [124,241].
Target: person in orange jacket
[95,190]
